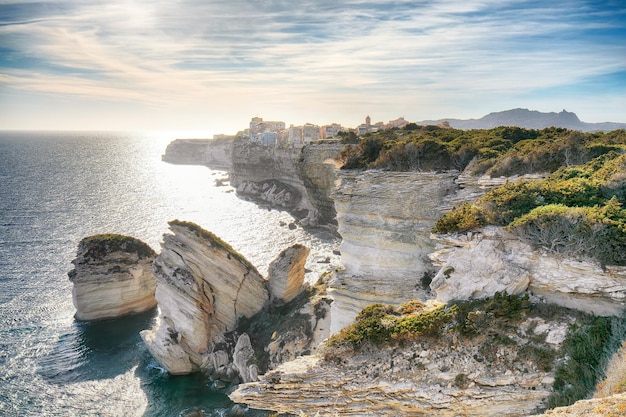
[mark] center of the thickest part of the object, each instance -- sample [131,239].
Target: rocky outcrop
[385,220]
[480,264]
[286,274]
[112,277]
[612,406]
[204,287]
[214,153]
[216,315]
[316,167]
[294,179]
[271,337]
[243,359]
[445,376]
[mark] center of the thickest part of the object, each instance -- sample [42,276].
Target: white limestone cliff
[112,277]
[214,153]
[204,287]
[480,264]
[286,274]
[445,376]
[385,220]
[294,179]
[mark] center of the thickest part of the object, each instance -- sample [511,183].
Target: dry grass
[615,381]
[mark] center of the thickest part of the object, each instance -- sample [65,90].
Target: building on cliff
[258,127]
[368,127]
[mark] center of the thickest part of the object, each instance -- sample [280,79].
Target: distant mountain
[530,119]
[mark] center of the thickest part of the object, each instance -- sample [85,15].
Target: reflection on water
[57,188]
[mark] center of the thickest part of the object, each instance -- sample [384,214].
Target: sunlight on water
[57,188]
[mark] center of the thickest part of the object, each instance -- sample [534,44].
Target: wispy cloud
[419,54]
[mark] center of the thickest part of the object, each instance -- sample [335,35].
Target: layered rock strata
[443,377]
[385,220]
[204,287]
[286,274]
[296,179]
[480,264]
[316,167]
[112,277]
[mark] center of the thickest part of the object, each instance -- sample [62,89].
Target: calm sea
[55,189]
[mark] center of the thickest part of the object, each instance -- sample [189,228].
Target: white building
[310,133]
[331,130]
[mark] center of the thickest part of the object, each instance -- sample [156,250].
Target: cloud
[182,53]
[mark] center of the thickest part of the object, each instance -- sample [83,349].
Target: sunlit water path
[55,189]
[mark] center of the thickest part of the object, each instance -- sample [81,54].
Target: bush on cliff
[586,351]
[597,232]
[576,211]
[98,246]
[383,324]
[488,325]
[501,151]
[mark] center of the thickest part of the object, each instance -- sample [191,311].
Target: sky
[212,65]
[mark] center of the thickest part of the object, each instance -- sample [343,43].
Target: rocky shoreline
[221,317]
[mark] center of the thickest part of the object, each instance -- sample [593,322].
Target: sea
[59,187]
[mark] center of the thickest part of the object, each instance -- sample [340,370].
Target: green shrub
[466,217]
[472,316]
[503,150]
[597,232]
[378,324]
[585,353]
[576,211]
[509,201]
[98,246]
[426,323]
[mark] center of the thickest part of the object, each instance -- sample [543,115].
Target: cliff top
[98,246]
[213,239]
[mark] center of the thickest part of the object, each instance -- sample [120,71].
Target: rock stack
[112,277]
[204,287]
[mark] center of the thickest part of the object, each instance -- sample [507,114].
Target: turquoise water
[55,189]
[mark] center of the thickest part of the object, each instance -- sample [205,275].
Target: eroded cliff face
[385,220]
[480,264]
[317,168]
[220,316]
[204,287]
[293,179]
[214,153]
[112,277]
[286,274]
[444,376]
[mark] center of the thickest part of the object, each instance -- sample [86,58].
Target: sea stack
[204,287]
[112,277]
[286,274]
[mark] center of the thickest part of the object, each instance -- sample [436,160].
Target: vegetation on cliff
[577,210]
[577,364]
[212,238]
[502,151]
[285,324]
[98,246]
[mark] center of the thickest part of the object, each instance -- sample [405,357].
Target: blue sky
[213,64]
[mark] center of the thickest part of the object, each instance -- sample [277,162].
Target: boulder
[243,359]
[286,274]
[112,277]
